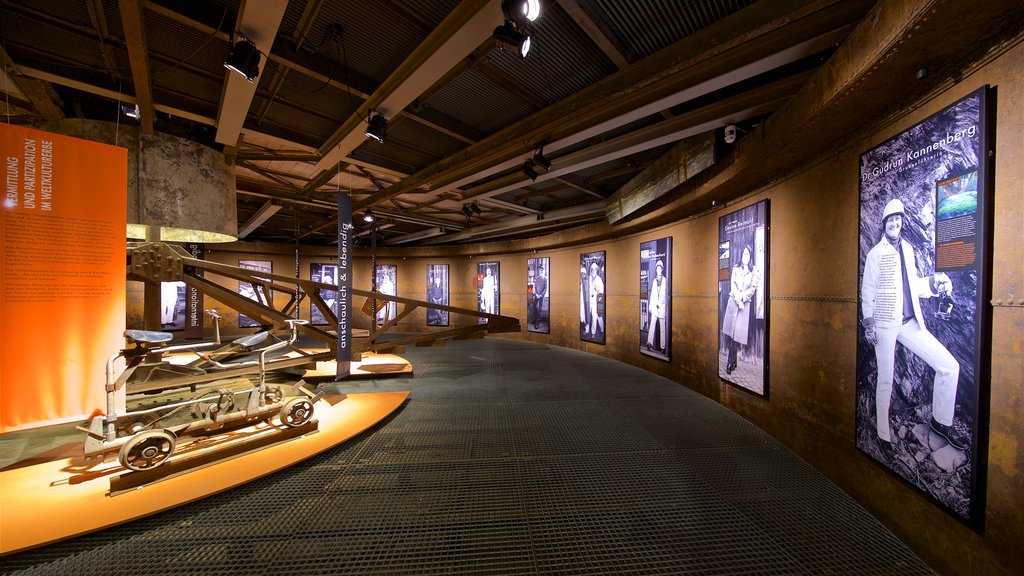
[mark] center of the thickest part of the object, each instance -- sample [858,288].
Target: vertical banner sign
[344,302]
[925,231]
[194,316]
[743,298]
[62,274]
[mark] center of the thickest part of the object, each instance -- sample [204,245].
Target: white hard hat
[895,206]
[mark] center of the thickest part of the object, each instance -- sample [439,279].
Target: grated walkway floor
[515,458]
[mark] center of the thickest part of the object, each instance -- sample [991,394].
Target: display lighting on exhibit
[376,125]
[521,11]
[513,35]
[530,172]
[368,216]
[244,58]
[540,160]
[530,166]
[470,209]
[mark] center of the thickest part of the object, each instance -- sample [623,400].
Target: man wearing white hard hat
[891,290]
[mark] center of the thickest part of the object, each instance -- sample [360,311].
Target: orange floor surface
[44,502]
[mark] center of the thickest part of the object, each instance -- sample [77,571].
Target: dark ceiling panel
[475,99]
[647,26]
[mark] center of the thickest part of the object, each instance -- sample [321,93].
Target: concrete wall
[813,330]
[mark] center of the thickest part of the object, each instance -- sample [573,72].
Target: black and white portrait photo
[538,313]
[249,291]
[488,288]
[328,274]
[656,298]
[923,245]
[437,293]
[387,283]
[172,306]
[592,297]
[743,297]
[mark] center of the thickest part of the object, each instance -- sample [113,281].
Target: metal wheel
[296,412]
[146,450]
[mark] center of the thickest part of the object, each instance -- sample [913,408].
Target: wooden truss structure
[156,262]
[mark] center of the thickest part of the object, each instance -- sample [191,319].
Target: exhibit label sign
[62,274]
[925,230]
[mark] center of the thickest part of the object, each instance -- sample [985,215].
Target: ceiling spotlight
[468,211]
[244,59]
[131,111]
[529,171]
[521,11]
[540,160]
[475,207]
[511,39]
[368,216]
[376,125]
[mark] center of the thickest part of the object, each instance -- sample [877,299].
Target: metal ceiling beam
[259,22]
[38,93]
[472,22]
[578,184]
[418,219]
[298,37]
[99,21]
[289,57]
[597,33]
[135,38]
[758,102]
[262,215]
[752,41]
[592,210]
[619,114]
[416,236]
[112,95]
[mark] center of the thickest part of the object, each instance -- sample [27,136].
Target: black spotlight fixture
[510,38]
[529,170]
[368,216]
[376,125]
[521,11]
[475,207]
[540,160]
[244,59]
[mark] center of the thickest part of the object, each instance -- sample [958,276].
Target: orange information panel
[62,274]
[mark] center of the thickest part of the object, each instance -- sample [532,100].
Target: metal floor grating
[515,458]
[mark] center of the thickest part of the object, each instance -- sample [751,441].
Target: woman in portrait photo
[736,324]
